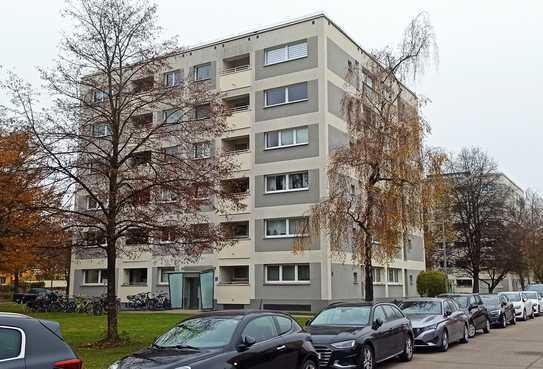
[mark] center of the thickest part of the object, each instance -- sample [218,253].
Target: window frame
[285,94]
[194,150]
[161,273]
[173,73]
[22,348]
[87,201]
[287,182]
[381,271]
[285,48]
[167,113]
[281,281]
[103,96]
[195,72]
[107,131]
[141,284]
[396,272]
[102,281]
[287,228]
[280,138]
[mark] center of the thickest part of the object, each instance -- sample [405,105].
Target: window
[143,84]
[141,197]
[355,277]
[137,277]
[100,96]
[172,116]
[140,158]
[377,274]
[102,129]
[288,273]
[285,53]
[285,95]
[173,78]
[137,236]
[379,313]
[11,344]
[285,227]
[94,276]
[143,121]
[392,313]
[92,203]
[287,182]
[201,112]
[285,324]
[94,238]
[261,329]
[464,283]
[163,274]
[286,138]
[236,229]
[240,274]
[201,150]
[165,195]
[394,275]
[202,72]
[168,234]
[170,152]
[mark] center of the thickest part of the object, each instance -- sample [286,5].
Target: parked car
[500,310]
[25,297]
[229,339]
[360,335]
[474,308]
[436,322]
[535,299]
[523,306]
[33,344]
[538,287]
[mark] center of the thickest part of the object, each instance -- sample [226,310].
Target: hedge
[431,283]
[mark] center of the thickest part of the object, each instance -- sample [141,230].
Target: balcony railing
[238,69]
[237,109]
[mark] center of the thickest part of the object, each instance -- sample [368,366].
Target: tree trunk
[475,276]
[68,270]
[16,282]
[112,322]
[368,270]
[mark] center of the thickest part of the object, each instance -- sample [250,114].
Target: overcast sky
[485,92]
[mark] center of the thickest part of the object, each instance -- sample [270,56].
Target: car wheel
[407,354]
[367,360]
[514,320]
[472,330]
[524,316]
[444,342]
[465,339]
[533,314]
[309,364]
[486,328]
[503,321]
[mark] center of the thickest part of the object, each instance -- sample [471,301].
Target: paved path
[515,347]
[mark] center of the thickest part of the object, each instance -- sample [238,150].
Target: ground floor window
[378,274]
[163,274]
[464,283]
[94,276]
[137,276]
[394,275]
[288,273]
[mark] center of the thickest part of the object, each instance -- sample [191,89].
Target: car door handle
[282,347]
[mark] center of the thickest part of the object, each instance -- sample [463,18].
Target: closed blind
[297,50]
[275,55]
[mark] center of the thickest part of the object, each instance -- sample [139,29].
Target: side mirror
[473,306]
[377,323]
[448,313]
[247,342]
[504,304]
[308,322]
[524,299]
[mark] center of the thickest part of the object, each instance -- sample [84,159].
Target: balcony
[240,112]
[236,73]
[239,250]
[242,159]
[233,294]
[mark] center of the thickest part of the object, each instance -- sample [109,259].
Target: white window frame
[88,199]
[173,73]
[279,138]
[288,234]
[195,72]
[285,91]
[162,199]
[161,271]
[281,281]
[287,182]
[100,96]
[285,49]
[381,272]
[107,129]
[102,281]
[165,242]
[194,150]
[22,349]
[96,232]
[396,272]
[127,276]
[166,114]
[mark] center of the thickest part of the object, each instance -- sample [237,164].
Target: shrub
[431,283]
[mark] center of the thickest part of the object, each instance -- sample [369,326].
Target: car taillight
[69,364]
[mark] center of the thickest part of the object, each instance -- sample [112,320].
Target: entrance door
[176,289]
[191,292]
[207,287]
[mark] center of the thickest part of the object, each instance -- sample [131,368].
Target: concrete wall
[415,248]
[343,286]
[335,100]
[292,293]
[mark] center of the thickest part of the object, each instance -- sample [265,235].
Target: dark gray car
[28,343]
[436,322]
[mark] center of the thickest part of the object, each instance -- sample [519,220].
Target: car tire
[367,359]
[533,314]
[503,321]
[407,354]
[444,341]
[309,364]
[472,330]
[486,328]
[465,339]
[514,319]
[524,316]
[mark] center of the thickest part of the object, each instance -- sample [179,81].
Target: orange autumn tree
[25,233]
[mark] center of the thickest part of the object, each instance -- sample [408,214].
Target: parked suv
[474,308]
[359,335]
[31,343]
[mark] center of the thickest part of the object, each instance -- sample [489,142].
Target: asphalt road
[514,347]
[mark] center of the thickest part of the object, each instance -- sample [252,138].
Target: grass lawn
[81,330]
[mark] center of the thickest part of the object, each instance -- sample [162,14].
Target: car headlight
[344,344]
[429,328]
[183,367]
[115,365]
[496,312]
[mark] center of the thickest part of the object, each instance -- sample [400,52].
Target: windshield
[513,296]
[531,295]
[200,333]
[462,301]
[491,300]
[421,307]
[344,315]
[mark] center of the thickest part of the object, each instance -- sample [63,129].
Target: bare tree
[130,146]
[374,194]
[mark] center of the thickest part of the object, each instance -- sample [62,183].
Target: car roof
[352,304]
[14,316]
[437,299]
[233,313]
[458,294]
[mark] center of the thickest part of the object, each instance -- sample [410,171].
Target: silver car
[436,322]
[535,299]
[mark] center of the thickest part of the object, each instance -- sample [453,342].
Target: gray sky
[485,92]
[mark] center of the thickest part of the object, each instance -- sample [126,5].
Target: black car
[31,343]
[500,310]
[359,335]
[475,310]
[436,322]
[227,340]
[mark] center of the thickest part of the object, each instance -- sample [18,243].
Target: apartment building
[285,84]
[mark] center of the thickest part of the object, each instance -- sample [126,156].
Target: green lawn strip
[81,331]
